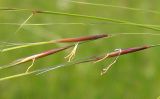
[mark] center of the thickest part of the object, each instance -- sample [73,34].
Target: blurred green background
[134,76]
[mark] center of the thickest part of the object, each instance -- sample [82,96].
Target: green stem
[115,6]
[99,18]
[84,16]
[25,45]
[15,76]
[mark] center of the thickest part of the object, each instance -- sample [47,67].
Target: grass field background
[134,76]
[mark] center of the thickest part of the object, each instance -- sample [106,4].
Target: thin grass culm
[84,16]
[71,23]
[115,6]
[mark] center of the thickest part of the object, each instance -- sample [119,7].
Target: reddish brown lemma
[126,51]
[49,52]
[123,51]
[45,53]
[80,39]
[117,53]
[36,56]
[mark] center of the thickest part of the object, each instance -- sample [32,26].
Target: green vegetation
[24,25]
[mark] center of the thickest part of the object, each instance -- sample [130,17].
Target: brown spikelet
[49,52]
[46,53]
[123,51]
[36,56]
[80,39]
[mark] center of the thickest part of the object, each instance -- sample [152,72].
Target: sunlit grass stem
[83,16]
